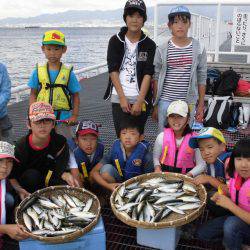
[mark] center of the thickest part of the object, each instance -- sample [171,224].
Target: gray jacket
[198,70]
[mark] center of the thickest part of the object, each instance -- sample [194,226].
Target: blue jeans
[162,114]
[232,229]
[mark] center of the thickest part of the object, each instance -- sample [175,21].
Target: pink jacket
[186,155]
[244,192]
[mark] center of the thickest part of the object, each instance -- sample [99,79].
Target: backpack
[235,111]
[218,113]
[228,83]
[243,88]
[213,80]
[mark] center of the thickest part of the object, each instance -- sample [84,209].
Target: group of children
[50,155]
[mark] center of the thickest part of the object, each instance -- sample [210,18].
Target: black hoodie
[145,58]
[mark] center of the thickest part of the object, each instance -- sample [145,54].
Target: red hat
[87,127]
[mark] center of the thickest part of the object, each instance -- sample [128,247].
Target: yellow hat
[206,133]
[54,37]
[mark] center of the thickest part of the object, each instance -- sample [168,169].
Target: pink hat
[41,110]
[7,150]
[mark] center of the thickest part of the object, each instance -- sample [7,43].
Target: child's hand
[125,106]
[72,120]
[189,175]
[113,186]
[23,193]
[158,169]
[15,232]
[201,179]
[199,113]
[222,200]
[70,179]
[136,108]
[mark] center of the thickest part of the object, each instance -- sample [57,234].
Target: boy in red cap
[6,200]
[86,150]
[43,154]
[56,83]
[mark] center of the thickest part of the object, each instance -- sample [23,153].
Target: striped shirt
[179,63]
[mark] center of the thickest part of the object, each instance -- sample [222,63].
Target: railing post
[156,22]
[217,38]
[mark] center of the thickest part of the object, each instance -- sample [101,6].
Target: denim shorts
[112,171]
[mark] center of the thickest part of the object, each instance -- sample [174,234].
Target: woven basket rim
[192,214]
[66,237]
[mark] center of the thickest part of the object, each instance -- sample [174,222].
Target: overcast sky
[28,8]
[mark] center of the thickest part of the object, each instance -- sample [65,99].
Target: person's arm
[75,110]
[19,189]
[125,106]
[157,151]
[15,232]
[137,107]
[5,87]
[74,168]
[227,203]
[33,96]
[201,80]
[207,179]
[200,167]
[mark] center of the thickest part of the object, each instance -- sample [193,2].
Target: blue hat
[179,10]
[206,133]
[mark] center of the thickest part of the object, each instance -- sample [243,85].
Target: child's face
[134,22]
[130,137]
[179,27]
[41,129]
[242,166]
[87,143]
[177,122]
[210,149]
[53,52]
[6,165]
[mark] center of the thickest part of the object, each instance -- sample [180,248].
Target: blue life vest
[82,158]
[134,165]
[219,165]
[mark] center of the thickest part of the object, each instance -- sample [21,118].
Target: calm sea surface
[20,49]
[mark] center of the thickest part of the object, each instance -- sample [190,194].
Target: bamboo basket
[81,193]
[174,219]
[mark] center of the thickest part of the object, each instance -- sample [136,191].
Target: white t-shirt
[128,76]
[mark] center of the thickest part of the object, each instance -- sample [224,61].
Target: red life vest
[185,154]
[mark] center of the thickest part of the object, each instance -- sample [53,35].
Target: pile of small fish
[58,215]
[154,199]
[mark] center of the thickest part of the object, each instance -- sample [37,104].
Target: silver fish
[27,221]
[88,205]
[32,213]
[189,199]
[127,206]
[47,204]
[174,209]
[189,206]
[78,202]
[48,225]
[69,201]
[188,188]
[37,209]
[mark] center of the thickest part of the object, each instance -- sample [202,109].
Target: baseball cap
[178,107]
[41,110]
[54,37]
[206,133]
[87,127]
[7,150]
[135,4]
[179,10]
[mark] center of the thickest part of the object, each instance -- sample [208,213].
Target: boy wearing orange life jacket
[171,150]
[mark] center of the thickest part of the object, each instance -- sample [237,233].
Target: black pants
[32,180]
[119,116]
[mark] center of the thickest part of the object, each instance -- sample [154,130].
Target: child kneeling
[171,150]
[234,228]
[128,157]
[86,150]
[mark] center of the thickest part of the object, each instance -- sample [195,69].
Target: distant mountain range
[98,18]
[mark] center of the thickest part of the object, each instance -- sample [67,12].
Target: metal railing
[16,92]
